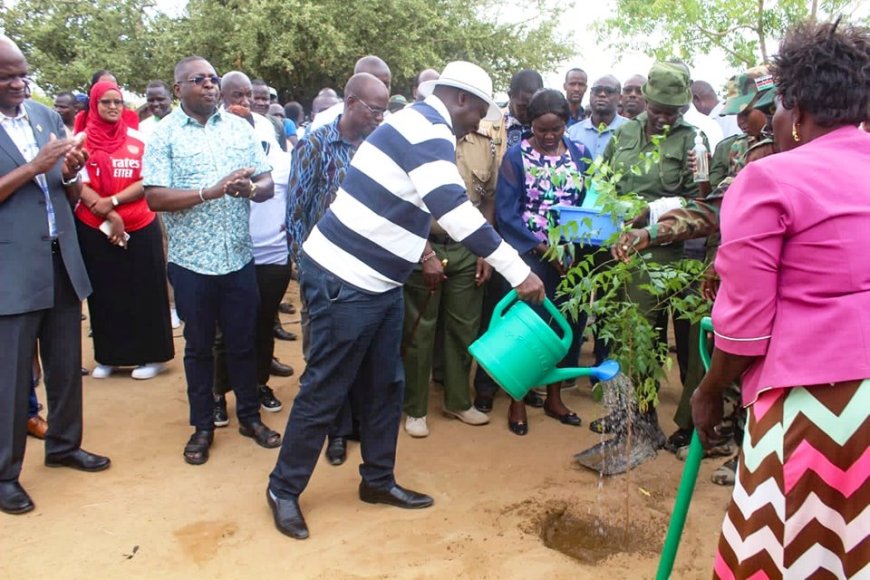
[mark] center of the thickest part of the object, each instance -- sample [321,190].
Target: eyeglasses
[199,80]
[112,102]
[377,112]
[603,89]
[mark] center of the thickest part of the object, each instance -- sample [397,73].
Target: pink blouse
[795,265]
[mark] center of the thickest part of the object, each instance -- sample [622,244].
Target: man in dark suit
[42,280]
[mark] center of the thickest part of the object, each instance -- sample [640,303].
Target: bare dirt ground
[496,497]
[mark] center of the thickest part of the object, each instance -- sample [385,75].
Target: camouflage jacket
[700,217]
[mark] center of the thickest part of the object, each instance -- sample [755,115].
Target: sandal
[260,433]
[196,450]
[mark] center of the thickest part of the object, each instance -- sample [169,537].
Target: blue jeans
[355,342]
[230,301]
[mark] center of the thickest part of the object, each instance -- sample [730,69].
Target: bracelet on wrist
[427,257]
[201,196]
[72,181]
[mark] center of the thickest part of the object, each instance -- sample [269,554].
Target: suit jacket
[26,271]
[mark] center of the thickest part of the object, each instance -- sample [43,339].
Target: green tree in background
[66,41]
[742,29]
[298,46]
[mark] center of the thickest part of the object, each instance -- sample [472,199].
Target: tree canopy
[298,46]
[742,29]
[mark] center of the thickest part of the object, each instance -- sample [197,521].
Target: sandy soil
[153,516]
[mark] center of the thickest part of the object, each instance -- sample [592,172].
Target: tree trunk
[762,41]
[814,8]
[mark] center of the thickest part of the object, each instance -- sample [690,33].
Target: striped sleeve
[431,166]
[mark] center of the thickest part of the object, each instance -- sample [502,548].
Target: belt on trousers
[441,239]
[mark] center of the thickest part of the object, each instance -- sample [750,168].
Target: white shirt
[21,133]
[728,123]
[708,126]
[268,232]
[326,116]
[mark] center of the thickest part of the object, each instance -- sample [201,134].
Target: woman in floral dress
[543,170]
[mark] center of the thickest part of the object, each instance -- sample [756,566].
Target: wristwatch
[115,202]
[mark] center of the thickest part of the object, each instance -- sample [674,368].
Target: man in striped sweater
[356,260]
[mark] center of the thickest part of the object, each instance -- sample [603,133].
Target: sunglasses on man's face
[199,80]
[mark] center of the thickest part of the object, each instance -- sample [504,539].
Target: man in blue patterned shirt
[203,167]
[319,165]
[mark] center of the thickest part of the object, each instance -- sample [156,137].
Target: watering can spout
[603,372]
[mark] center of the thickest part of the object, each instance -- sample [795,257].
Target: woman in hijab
[122,245]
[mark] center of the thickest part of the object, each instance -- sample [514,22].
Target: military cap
[754,88]
[668,84]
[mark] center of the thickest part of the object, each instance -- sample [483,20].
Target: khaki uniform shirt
[478,157]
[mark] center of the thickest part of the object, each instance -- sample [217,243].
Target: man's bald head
[236,91]
[8,45]
[428,74]
[321,103]
[14,90]
[365,102]
[365,86]
[235,79]
[374,66]
[704,96]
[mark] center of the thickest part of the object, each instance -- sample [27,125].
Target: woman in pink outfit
[792,318]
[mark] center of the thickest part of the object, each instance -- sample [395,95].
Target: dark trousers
[272,281]
[355,342]
[346,423]
[58,330]
[204,302]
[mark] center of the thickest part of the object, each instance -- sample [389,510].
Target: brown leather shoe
[37,426]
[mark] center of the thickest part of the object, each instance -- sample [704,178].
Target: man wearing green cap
[666,91]
[753,104]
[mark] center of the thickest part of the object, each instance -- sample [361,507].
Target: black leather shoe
[13,498]
[279,369]
[282,334]
[79,459]
[396,496]
[288,516]
[286,308]
[336,451]
[518,427]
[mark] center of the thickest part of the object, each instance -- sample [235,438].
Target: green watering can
[520,350]
[687,482]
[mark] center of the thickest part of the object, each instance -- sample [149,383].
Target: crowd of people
[406,220]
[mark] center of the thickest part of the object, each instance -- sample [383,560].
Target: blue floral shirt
[320,163]
[211,238]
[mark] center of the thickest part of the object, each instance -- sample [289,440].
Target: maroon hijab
[103,139]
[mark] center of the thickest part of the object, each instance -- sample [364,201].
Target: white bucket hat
[470,78]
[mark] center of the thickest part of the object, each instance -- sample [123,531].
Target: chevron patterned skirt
[800,502]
